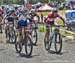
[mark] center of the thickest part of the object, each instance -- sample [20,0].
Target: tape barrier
[65,33]
[68,34]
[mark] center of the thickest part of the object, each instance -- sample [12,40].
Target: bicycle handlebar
[57,25]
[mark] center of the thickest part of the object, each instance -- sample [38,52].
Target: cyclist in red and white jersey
[50,21]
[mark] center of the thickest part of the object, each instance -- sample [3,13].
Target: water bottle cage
[56,30]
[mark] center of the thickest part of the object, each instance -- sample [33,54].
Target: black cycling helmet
[16,7]
[55,11]
[3,7]
[12,11]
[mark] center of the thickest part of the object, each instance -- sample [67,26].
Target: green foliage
[14,1]
[21,1]
[35,1]
[59,0]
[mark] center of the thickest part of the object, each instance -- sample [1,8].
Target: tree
[35,1]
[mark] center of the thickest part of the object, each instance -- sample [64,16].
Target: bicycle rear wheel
[0,29]
[28,46]
[34,37]
[7,35]
[12,37]
[58,43]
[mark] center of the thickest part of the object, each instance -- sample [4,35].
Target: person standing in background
[41,17]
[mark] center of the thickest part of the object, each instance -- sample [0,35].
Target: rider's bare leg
[19,35]
[47,34]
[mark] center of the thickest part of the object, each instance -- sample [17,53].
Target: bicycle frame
[55,31]
[54,38]
[25,32]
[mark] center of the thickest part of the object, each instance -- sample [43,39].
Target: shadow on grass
[7,42]
[1,41]
[61,53]
[2,49]
[35,44]
[24,55]
[53,52]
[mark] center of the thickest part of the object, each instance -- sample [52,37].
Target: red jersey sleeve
[61,18]
[50,15]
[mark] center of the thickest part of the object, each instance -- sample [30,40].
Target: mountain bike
[1,25]
[26,41]
[1,28]
[54,37]
[34,33]
[10,33]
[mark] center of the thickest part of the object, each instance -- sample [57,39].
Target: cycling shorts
[48,24]
[22,23]
[10,19]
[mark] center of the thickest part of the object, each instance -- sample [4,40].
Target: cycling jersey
[10,19]
[51,17]
[32,15]
[17,13]
[22,23]
[8,11]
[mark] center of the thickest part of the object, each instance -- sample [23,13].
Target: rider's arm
[61,19]
[46,18]
[38,17]
[4,19]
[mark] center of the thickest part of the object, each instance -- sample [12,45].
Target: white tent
[45,7]
[68,1]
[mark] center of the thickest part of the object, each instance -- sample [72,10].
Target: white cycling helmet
[32,11]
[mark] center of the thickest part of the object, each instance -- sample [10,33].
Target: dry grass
[61,12]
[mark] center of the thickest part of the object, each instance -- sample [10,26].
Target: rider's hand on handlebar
[64,24]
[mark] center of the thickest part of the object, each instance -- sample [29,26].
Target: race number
[73,14]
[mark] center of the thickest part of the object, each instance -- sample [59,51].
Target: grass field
[61,12]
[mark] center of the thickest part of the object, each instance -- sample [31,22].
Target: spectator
[72,4]
[41,18]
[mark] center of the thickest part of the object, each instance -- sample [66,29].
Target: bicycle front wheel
[28,46]
[18,46]
[47,43]
[58,43]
